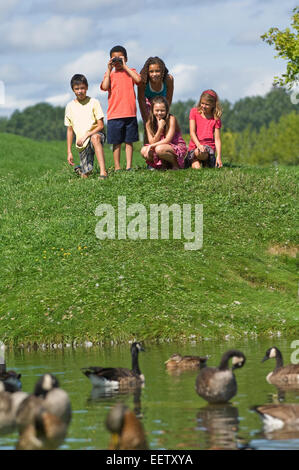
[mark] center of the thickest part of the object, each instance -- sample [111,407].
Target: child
[85,118]
[155,81]
[205,127]
[166,146]
[122,122]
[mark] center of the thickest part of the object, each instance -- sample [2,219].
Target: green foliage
[278,143]
[41,122]
[286,43]
[181,110]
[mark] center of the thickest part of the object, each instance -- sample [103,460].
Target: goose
[43,417]
[10,400]
[178,362]
[126,430]
[281,375]
[117,377]
[9,376]
[218,384]
[277,416]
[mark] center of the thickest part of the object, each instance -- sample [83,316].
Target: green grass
[59,283]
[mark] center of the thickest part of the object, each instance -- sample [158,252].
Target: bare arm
[218,148]
[100,126]
[134,75]
[169,93]
[192,124]
[141,101]
[155,140]
[69,141]
[105,85]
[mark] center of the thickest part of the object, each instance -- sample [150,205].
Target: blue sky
[205,44]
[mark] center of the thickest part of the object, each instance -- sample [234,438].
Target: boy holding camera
[121,115]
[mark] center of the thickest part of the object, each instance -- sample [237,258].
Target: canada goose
[44,416]
[10,401]
[126,429]
[117,377]
[218,384]
[281,375]
[178,362]
[279,415]
[8,375]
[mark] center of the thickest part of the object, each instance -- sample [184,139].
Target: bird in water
[218,384]
[126,430]
[117,377]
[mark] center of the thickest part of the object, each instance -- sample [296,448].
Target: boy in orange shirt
[121,115]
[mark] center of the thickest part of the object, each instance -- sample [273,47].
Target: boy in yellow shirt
[84,117]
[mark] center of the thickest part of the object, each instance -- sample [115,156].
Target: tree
[286,44]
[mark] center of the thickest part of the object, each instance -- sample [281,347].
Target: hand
[70,159]
[148,149]
[110,65]
[218,162]
[81,141]
[161,123]
[201,148]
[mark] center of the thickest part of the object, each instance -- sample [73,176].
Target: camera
[116,60]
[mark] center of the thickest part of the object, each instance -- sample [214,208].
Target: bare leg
[99,151]
[165,152]
[129,154]
[116,156]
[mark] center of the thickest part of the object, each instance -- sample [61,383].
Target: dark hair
[151,61]
[152,118]
[119,49]
[77,79]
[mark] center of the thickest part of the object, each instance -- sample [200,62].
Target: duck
[10,400]
[218,384]
[281,375]
[116,378]
[44,416]
[278,416]
[178,362]
[126,430]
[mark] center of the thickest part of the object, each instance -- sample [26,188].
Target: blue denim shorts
[122,130]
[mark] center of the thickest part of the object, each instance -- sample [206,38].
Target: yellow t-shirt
[83,117]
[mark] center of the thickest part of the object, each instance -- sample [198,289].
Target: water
[173,415]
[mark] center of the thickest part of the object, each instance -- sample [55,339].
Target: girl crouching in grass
[205,127]
[166,147]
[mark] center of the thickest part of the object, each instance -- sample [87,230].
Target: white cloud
[92,64]
[186,79]
[59,100]
[7,6]
[247,38]
[55,33]
[10,73]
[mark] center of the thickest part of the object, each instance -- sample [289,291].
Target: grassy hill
[60,283]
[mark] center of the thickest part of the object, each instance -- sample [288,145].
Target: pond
[173,415]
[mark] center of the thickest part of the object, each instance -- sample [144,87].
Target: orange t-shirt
[121,95]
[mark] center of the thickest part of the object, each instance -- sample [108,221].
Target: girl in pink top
[166,148]
[205,127]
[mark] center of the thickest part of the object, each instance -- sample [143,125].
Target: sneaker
[148,167]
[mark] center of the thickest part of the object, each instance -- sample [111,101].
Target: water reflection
[220,424]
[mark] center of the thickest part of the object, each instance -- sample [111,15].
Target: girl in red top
[205,127]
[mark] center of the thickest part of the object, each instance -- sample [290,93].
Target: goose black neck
[2,369]
[225,358]
[279,359]
[135,364]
